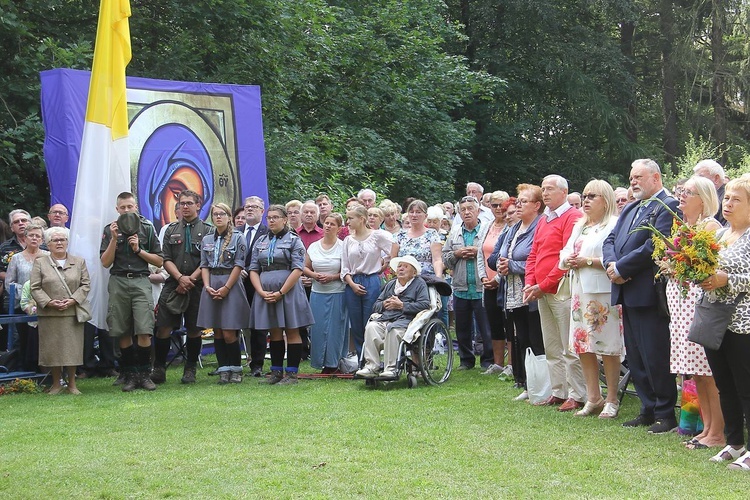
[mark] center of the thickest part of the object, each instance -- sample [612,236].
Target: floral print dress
[595,324]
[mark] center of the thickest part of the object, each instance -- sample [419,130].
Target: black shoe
[257,372]
[188,375]
[639,421]
[120,379]
[274,378]
[159,374]
[145,382]
[130,382]
[663,425]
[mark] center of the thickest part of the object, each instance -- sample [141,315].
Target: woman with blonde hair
[391,213]
[223,304]
[730,363]
[595,323]
[698,204]
[361,263]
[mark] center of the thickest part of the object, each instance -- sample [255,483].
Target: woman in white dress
[595,323]
[698,203]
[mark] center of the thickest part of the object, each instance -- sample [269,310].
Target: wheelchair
[426,349]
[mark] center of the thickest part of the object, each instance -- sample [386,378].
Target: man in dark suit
[627,259]
[253,229]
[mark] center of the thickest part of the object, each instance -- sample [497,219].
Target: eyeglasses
[217,215]
[34,236]
[20,221]
[467,199]
[621,200]
[59,240]
[253,207]
[522,202]
[273,218]
[589,196]
[57,212]
[496,205]
[186,203]
[688,192]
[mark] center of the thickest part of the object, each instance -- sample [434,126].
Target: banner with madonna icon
[199,136]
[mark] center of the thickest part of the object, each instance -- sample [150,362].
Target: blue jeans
[359,307]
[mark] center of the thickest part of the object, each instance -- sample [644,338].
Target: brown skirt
[60,341]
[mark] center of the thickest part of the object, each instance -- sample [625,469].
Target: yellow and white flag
[104,165]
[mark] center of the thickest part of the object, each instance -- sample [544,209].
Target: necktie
[188,236]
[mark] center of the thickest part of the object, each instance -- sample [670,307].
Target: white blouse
[363,257]
[326,262]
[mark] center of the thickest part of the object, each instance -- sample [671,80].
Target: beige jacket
[46,285]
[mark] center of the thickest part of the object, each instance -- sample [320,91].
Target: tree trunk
[627,30]
[669,96]
[718,98]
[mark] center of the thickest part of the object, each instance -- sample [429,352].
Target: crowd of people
[544,270]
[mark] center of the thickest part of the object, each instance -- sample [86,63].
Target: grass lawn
[336,439]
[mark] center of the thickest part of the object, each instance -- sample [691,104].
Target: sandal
[692,440]
[741,463]
[590,408]
[728,453]
[611,410]
[696,445]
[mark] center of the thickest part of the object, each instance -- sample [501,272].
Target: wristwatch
[589,262]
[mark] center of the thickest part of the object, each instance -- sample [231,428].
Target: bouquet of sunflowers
[690,254]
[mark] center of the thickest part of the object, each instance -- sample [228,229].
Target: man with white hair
[627,259]
[367,198]
[543,276]
[621,198]
[574,199]
[715,173]
[476,191]
[57,215]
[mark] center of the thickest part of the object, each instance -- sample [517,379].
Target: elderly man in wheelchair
[399,302]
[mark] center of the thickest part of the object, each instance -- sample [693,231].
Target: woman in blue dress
[280,303]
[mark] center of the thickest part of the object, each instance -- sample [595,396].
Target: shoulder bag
[711,321]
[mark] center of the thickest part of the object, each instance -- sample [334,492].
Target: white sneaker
[493,369]
[388,374]
[507,373]
[367,373]
[522,397]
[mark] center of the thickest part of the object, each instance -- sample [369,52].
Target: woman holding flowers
[595,323]
[698,203]
[730,364]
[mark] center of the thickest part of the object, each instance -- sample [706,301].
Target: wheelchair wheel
[411,380]
[435,352]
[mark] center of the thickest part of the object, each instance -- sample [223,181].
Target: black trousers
[528,333]
[731,368]
[100,359]
[466,310]
[647,345]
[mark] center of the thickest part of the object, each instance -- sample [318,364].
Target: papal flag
[103,168]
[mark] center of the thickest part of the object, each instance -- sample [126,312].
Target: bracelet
[139,251]
[281,293]
[180,277]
